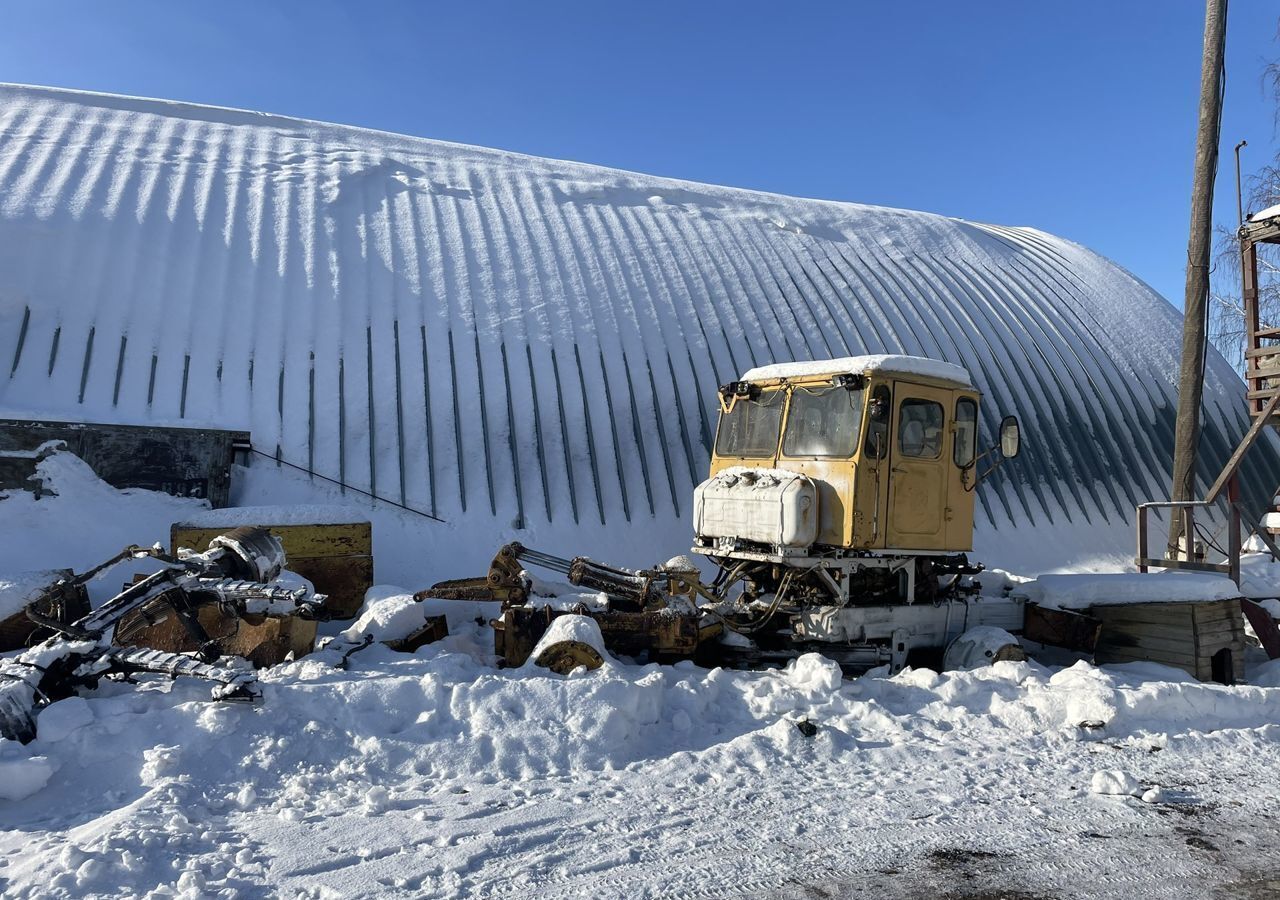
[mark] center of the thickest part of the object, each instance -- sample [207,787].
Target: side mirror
[1010,437]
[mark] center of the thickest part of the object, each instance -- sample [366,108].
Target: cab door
[918,471]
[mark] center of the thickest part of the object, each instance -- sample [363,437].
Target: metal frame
[847,565]
[1186,508]
[1262,380]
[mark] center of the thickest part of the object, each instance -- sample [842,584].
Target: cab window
[920,429]
[750,429]
[966,446]
[822,422]
[876,445]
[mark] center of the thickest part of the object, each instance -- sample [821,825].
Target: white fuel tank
[768,506]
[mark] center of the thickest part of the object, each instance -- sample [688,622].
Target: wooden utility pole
[1195,302]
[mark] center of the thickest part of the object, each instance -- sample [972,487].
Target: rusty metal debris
[505,582]
[239,573]
[649,611]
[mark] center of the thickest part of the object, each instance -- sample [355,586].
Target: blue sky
[1077,118]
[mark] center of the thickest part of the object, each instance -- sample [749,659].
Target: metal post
[1142,537]
[1239,195]
[1233,537]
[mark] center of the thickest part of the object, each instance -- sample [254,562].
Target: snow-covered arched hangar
[529,348]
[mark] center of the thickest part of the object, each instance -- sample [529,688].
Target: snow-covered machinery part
[238,572]
[248,553]
[646,611]
[570,642]
[765,506]
[508,583]
[984,645]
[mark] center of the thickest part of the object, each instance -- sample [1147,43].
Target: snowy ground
[436,774]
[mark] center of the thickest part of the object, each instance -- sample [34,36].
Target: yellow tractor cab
[844,484]
[888,442]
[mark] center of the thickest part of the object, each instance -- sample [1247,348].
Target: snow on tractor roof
[880,362]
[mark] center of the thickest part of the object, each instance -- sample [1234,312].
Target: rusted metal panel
[267,642]
[337,558]
[435,628]
[345,579]
[1264,626]
[185,462]
[662,633]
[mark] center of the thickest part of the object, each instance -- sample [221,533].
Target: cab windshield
[750,429]
[823,422]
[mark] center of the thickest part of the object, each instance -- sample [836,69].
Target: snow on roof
[910,365]
[1269,213]
[529,347]
[1084,591]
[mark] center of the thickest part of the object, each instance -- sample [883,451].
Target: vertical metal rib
[564,441]
[684,432]
[151,379]
[639,433]
[613,429]
[115,392]
[280,414]
[457,426]
[311,414]
[342,424]
[662,434]
[395,334]
[537,429]
[426,405]
[373,442]
[702,407]
[22,339]
[511,438]
[88,357]
[591,446]
[484,428]
[53,348]
[186,379]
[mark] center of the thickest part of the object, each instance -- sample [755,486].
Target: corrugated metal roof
[489,335]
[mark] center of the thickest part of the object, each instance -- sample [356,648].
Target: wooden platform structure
[1262,381]
[1205,639]
[1262,343]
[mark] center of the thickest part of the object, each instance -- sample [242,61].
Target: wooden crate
[336,557]
[1205,639]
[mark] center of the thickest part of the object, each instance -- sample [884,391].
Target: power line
[342,484]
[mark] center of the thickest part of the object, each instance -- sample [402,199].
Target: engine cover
[767,506]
